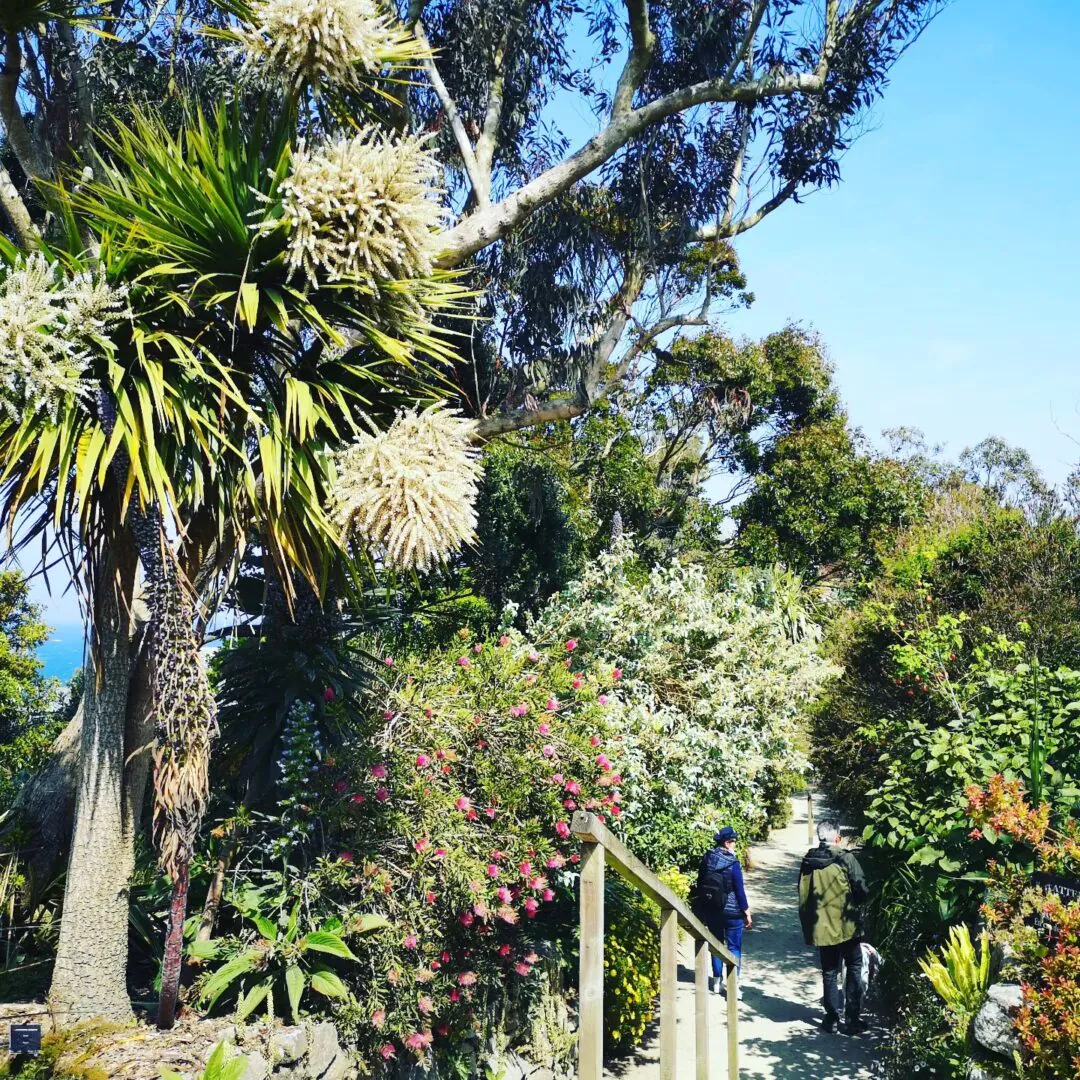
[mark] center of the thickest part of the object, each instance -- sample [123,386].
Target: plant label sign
[1067,888]
[24,1039]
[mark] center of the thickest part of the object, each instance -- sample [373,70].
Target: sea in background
[62,654]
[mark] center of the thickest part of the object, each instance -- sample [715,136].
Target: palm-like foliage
[209,413]
[230,379]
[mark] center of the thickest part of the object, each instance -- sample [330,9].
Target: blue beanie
[725,834]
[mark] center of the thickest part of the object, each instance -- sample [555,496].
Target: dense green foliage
[960,666]
[30,704]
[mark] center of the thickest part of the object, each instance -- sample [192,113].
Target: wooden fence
[600,847]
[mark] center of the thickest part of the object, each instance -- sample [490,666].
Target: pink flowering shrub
[451,818]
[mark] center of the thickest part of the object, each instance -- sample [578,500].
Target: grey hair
[828,830]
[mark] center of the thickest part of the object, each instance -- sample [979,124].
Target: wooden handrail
[600,847]
[587,828]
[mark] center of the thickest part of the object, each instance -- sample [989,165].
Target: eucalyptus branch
[480,183]
[727,228]
[488,226]
[518,419]
[746,46]
[487,140]
[642,47]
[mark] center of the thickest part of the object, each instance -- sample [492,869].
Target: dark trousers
[731,932]
[832,956]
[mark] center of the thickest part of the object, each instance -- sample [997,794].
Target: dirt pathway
[779,1016]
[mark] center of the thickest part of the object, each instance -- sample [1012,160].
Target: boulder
[255,1068]
[289,1045]
[326,1059]
[993,1029]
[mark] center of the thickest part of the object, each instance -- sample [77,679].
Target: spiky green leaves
[408,493]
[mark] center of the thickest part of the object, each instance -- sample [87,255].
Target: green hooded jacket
[832,889]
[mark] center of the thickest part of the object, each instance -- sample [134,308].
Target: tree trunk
[174,951]
[45,808]
[90,976]
[46,805]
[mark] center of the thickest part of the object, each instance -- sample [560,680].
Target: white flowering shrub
[408,493]
[318,43]
[712,690]
[362,207]
[50,325]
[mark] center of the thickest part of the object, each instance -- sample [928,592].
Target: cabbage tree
[221,313]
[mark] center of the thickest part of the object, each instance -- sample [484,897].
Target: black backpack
[711,891]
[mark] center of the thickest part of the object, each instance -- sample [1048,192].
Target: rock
[256,1068]
[993,1029]
[326,1059]
[289,1046]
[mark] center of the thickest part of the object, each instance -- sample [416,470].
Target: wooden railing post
[591,969]
[702,971]
[600,847]
[669,991]
[732,1024]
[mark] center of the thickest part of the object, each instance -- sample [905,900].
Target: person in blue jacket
[727,920]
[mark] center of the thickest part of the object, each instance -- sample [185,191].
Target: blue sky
[941,271]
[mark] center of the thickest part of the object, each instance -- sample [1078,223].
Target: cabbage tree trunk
[90,976]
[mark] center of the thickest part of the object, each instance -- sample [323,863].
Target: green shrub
[922,1043]
[631,964]
[448,816]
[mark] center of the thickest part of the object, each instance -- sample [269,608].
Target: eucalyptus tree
[603,151]
[217,298]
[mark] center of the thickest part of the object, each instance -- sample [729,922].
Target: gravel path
[781,1009]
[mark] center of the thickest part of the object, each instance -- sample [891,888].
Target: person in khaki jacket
[832,890]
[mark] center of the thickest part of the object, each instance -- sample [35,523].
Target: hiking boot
[715,985]
[855,1026]
[828,1025]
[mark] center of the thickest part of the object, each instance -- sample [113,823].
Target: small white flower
[408,492]
[363,207]
[311,42]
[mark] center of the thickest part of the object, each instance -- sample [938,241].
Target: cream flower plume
[362,207]
[316,42]
[48,326]
[408,492]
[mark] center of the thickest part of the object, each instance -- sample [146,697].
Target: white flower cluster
[715,688]
[48,327]
[408,492]
[362,208]
[311,42]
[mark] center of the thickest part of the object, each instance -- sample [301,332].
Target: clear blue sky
[941,271]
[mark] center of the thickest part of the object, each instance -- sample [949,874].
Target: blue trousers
[732,934]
